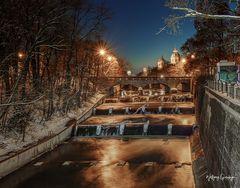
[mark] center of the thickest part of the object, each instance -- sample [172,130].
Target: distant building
[175,57]
[161,63]
[166,68]
[145,71]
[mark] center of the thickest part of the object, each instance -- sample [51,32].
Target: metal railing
[232,90]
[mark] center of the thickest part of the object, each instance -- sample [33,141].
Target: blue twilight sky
[133,27]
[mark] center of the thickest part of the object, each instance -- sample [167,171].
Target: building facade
[175,57]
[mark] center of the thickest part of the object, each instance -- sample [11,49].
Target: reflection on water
[141,163]
[110,163]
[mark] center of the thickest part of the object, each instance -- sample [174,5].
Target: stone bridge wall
[220,137]
[169,82]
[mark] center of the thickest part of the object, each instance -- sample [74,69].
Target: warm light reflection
[193,56]
[110,155]
[110,171]
[185,121]
[142,157]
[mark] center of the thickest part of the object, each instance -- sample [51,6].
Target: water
[113,158]
[121,128]
[159,109]
[134,129]
[106,163]
[127,110]
[145,128]
[144,110]
[98,130]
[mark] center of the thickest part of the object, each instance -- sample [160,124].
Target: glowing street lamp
[184,60]
[20,55]
[102,52]
[129,73]
[109,58]
[193,56]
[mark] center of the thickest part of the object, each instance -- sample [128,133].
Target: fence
[232,90]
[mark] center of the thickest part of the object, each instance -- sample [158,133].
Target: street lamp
[109,58]
[193,56]
[129,73]
[102,52]
[184,60]
[20,55]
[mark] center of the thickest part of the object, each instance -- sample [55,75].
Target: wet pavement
[109,163]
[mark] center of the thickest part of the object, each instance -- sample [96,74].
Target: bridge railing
[231,90]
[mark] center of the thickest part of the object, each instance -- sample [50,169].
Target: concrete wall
[22,158]
[89,112]
[220,137]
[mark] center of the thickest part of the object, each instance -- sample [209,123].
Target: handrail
[231,90]
[146,77]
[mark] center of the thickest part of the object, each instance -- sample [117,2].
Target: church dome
[175,57]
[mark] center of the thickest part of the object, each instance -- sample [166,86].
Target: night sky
[133,27]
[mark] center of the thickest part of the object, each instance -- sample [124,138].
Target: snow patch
[38,164]
[36,131]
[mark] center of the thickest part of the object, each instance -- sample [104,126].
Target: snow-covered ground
[35,132]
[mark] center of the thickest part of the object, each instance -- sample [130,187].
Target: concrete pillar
[235,91]
[224,87]
[219,85]
[215,84]
[150,86]
[110,111]
[228,90]
[170,129]
[94,111]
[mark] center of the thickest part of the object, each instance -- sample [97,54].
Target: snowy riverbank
[12,142]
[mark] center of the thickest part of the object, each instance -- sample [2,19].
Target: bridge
[185,82]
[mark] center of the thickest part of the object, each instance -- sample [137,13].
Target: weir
[143,109]
[140,134]
[134,129]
